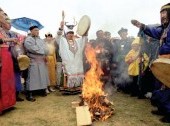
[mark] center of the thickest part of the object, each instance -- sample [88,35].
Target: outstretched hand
[136,23]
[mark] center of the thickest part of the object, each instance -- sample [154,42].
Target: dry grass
[55,110]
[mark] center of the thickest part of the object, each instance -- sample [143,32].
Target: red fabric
[7,80]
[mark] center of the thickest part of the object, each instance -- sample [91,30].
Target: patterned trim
[78,74]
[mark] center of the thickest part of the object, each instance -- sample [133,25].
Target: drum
[161,70]
[18,53]
[23,62]
[83,25]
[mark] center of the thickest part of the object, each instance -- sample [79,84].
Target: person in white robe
[71,51]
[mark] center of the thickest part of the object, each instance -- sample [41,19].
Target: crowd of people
[59,63]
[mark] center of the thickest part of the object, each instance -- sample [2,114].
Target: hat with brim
[23,62]
[122,30]
[161,70]
[33,27]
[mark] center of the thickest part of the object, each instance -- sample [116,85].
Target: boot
[51,89]
[43,93]
[57,87]
[29,96]
[157,112]
[19,99]
[166,118]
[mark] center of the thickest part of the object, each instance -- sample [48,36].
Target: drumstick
[63,15]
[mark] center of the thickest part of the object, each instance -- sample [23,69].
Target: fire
[92,90]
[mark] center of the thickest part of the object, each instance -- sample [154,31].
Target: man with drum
[71,52]
[161,32]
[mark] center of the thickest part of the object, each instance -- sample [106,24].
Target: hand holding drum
[83,25]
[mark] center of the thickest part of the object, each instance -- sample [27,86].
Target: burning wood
[92,92]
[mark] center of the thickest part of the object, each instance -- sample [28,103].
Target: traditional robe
[37,71]
[7,79]
[51,62]
[17,71]
[161,99]
[72,61]
[156,32]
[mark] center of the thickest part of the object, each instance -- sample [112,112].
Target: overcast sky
[108,15]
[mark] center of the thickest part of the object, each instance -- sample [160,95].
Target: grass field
[55,110]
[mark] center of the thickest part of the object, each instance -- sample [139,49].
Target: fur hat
[165,7]
[48,34]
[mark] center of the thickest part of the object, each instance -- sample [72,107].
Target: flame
[92,90]
[92,77]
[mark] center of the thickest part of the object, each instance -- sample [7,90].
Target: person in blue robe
[162,33]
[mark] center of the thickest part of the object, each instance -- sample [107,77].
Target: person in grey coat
[37,72]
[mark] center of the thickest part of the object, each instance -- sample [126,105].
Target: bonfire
[92,91]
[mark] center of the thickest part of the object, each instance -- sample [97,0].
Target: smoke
[122,78]
[109,88]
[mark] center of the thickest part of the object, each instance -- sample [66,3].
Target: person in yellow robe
[133,59]
[51,62]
